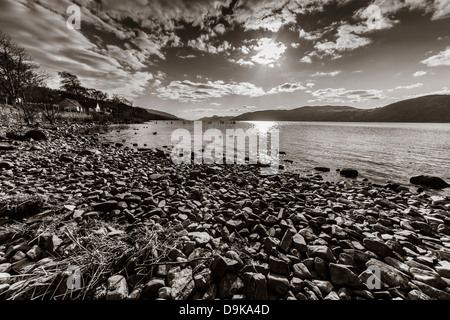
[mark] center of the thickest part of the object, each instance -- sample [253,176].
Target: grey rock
[279,266]
[301,271]
[278,284]
[229,285]
[299,243]
[151,288]
[431,278]
[255,286]
[332,296]
[105,206]
[341,275]
[117,288]
[36,135]
[349,173]
[182,285]
[377,247]
[323,252]
[390,275]
[430,182]
[417,295]
[6,165]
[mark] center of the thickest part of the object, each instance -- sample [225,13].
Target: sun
[269,52]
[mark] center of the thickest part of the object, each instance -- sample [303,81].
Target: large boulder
[430,182]
[36,135]
[349,173]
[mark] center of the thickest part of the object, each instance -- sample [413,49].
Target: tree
[97,95]
[71,84]
[17,70]
[51,113]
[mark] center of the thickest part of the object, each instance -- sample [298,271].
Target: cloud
[442,9]
[242,62]
[287,88]
[412,86]
[327,74]
[262,15]
[203,43]
[306,59]
[341,95]
[420,73]
[347,38]
[440,59]
[295,45]
[189,56]
[188,91]
[263,51]
[311,36]
[45,36]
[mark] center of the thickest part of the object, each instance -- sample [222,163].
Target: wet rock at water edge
[322,169]
[349,173]
[430,182]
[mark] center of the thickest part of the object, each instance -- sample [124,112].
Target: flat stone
[201,238]
[278,284]
[324,286]
[431,278]
[256,286]
[417,295]
[286,241]
[151,288]
[6,146]
[117,288]
[279,266]
[332,296]
[299,243]
[182,285]
[105,206]
[377,247]
[301,271]
[390,275]
[221,265]
[4,277]
[432,292]
[6,165]
[341,275]
[229,285]
[323,252]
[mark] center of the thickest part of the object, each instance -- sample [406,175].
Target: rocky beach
[84,218]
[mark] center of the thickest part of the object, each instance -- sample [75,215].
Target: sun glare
[269,52]
[263,127]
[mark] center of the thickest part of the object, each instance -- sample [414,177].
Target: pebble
[258,237]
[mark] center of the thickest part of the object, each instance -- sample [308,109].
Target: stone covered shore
[81,218]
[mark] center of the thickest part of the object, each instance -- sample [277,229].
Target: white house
[97,108]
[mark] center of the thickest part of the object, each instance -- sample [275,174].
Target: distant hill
[433,108]
[216,119]
[162,114]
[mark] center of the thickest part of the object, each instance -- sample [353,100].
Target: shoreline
[206,232]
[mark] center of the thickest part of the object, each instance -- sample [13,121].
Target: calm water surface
[381,152]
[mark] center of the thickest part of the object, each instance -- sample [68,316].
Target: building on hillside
[70,105]
[97,108]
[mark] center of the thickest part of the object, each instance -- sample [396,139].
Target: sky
[198,58]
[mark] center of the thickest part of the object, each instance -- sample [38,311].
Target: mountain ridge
[429,108]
